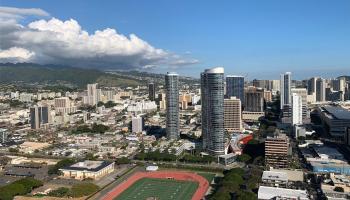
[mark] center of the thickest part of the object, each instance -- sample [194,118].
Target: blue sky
[260,39]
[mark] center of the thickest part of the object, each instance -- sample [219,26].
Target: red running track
[183,176]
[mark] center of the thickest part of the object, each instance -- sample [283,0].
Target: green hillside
[54,74]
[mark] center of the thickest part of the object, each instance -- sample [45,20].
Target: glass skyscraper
[235,87]
[152,91]
[212,94]
[286,83]
[172,105]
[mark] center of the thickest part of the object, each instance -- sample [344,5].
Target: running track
[184,176]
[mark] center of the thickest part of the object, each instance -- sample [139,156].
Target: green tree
[59,192]
[19,187]
[54,169]
[246,195]
[13,150]
[90,156]
[100,103]
[339,189]
[99,128]
[122,160]
[222,194]
[244,158]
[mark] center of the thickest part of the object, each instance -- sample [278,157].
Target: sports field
[161,189]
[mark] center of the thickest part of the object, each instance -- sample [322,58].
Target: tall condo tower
[320,90]
[212,94]
[152,91]
[172,105]
[285,85]
[235,87]
[297,109]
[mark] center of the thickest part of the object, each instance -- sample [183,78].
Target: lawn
[208,176]
[161,189]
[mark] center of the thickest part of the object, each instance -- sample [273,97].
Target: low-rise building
[337,181]
[326,160]
[88,169]
[274,179]
[281,193]
[336,119]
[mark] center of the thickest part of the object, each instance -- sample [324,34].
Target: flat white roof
[278,176]
[152,168]
[89,164]
[272,192]
[293,175]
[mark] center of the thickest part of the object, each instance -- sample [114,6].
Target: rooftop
[337,112]
[215,70]
[272,192]
[88,165]
[271,175]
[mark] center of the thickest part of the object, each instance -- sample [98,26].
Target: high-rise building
[137,124]
[267,96]
[162,101]
[39,116]
[172,105]
[254,99]
[3,135]
[152,91]
[212,95]
[285,85]
[235,87]
[302,92]
[347,92]
[311,86]
[339,84]
[63,106]
[271,85]
[347,136]
[93,95]
[108,95]
[275,85]
[320,90]
[260,83]
[297,109]
[339,88]
[232,114]
[277,151]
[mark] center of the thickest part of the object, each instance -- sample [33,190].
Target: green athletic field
[161,189]
[208,176]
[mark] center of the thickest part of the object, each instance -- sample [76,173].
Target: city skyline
[180,100]
[301,40]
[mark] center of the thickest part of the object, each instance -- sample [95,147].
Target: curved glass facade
[212,94]
[172,105]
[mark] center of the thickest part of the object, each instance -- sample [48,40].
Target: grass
[161,189]
[208,176]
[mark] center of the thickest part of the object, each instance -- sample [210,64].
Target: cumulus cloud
[66,42]
[15,54]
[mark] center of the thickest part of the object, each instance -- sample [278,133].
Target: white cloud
[16,13]
[66,42]
[14,54]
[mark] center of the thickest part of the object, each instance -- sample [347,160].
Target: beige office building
[277,151]
[232,114]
